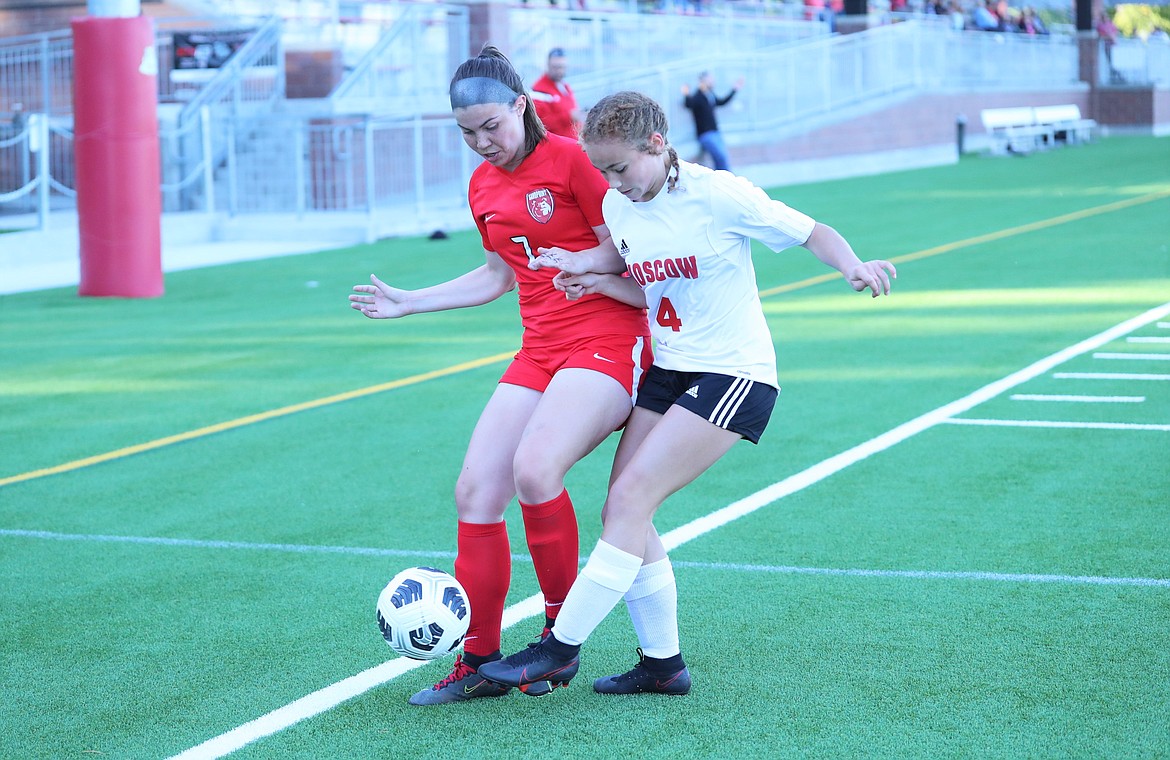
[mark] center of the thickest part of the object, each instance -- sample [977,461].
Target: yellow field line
[476,363]
[986,238]
[251,419]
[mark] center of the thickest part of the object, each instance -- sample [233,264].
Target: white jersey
[704,304]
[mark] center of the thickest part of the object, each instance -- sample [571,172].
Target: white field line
[207,544]
[1097,580]
[1164,325]
[1141,339]
[1078,399]
[331,696]
[778,569]
[1139,357]
[1109,376]
[1048,424]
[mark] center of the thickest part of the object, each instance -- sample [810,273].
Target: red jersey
[552,199]
[555,105]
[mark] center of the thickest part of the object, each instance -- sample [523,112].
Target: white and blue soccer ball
[423,613]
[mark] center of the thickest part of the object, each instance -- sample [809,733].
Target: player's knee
[626,508]
[538,479]
[478,501]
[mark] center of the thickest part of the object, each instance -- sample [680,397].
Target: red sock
[483,566]
[551,529]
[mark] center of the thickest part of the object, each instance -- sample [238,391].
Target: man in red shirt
[553,97]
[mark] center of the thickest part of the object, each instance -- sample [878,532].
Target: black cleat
[463,684]
[536,669]
[542,688]
[641,681]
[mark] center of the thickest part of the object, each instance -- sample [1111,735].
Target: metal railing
[27,151]
[245,161]
[389,79]
[36,73]
[1131,61]
[994,59]
[596,42]
[254,75]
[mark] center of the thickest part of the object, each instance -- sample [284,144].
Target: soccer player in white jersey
[683,233]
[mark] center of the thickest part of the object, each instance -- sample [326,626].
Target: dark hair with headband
[490,78]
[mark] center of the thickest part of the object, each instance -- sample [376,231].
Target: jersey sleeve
[472,197]
[741,208]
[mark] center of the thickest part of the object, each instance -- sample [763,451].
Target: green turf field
[967,553]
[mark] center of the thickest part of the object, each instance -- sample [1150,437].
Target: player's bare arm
[602,258]
[479,286]
[623,289]
[827,245]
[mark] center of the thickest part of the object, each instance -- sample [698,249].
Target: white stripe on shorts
[638,370]
[728,405]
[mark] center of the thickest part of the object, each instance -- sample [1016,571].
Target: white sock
[653,604]
[606,576]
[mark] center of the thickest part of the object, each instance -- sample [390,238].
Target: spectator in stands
[985,18]
[1107,31]
[702,105]
[958,19]
[1031,23]
[556,105]
[824,10]
[1003,12]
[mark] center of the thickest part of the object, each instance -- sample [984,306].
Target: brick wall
[312,73]
[1126,106]
[926,120]
[50,19]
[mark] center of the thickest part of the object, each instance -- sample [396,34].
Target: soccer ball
[423,613]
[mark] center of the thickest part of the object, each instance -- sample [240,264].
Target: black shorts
[733,403]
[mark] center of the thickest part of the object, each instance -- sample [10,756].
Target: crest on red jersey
[540,204]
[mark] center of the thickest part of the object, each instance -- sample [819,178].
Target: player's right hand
[379,300]
[558,258]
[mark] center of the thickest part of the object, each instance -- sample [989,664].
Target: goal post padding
[116,148]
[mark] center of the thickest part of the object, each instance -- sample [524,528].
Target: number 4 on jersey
[667,316]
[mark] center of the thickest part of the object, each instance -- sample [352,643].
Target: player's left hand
[872,275]
[576,285]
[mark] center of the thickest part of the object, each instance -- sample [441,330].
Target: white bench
[1015,130]
[1066,121]
[1023,129]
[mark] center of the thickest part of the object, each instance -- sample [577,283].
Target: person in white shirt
[683,233]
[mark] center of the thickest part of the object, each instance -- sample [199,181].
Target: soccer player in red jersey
[534,190]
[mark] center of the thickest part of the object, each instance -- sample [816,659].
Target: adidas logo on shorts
[693,391]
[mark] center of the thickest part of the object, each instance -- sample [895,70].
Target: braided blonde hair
[632,117]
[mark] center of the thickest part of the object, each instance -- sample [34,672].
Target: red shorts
[623,357]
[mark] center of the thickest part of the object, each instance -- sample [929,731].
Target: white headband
[474,91]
